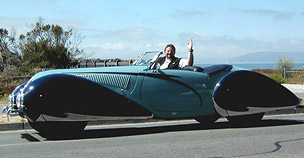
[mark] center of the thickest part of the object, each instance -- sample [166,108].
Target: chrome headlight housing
[19,100]
[11,100]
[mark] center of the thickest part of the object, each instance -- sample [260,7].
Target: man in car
[169,61]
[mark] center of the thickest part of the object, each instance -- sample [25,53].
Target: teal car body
[73,96]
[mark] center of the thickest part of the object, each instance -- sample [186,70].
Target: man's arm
[190,54]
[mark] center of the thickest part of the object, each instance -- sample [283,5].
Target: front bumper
[12,108]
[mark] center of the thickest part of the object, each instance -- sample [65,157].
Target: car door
[173,90]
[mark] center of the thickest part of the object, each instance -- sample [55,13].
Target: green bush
[285,63]
[278,78]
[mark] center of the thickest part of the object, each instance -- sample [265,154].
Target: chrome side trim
[81,117]
[220,110]
[254,110]
[40,119]
[251,110]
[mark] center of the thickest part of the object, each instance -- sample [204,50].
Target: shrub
[278,78]
[284,63]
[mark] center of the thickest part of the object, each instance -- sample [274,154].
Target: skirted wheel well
[248,92]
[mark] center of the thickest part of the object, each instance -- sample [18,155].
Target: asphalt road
[276,136]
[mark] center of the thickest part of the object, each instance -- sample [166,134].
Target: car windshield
[147,58]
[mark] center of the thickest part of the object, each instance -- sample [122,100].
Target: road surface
[276,136]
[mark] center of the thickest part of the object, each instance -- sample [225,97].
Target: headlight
[11,99]
[19,100]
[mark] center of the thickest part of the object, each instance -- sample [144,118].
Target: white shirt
[181,64]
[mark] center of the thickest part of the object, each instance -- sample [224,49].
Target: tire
[59,129]
[246,119]
[207,120]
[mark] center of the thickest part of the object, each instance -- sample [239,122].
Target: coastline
[253,65]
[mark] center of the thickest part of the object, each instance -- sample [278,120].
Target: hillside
[269,57]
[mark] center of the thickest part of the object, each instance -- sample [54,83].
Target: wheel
[246,119]
[59,129]
[207,120]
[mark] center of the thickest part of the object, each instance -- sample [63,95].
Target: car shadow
[185,127]
[131,131]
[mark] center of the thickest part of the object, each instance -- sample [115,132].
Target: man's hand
[190,46]
[190,54]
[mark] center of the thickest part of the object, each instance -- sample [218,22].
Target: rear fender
[247,92]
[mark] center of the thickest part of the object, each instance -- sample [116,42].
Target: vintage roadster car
[62,101]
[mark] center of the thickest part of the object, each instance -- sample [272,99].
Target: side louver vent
[115,80]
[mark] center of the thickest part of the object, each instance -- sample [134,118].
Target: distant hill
[269,57]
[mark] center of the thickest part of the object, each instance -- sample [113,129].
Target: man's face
[169,53]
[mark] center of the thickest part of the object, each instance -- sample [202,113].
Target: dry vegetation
[11,119]
[291,78]
[7,85]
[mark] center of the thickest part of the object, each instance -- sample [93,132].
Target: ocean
[251,65]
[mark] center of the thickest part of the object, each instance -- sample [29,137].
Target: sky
[220,29]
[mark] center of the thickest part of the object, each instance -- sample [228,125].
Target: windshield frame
[147,58]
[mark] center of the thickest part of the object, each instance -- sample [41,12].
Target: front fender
[58,95]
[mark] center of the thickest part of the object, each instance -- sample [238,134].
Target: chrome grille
[115,80]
